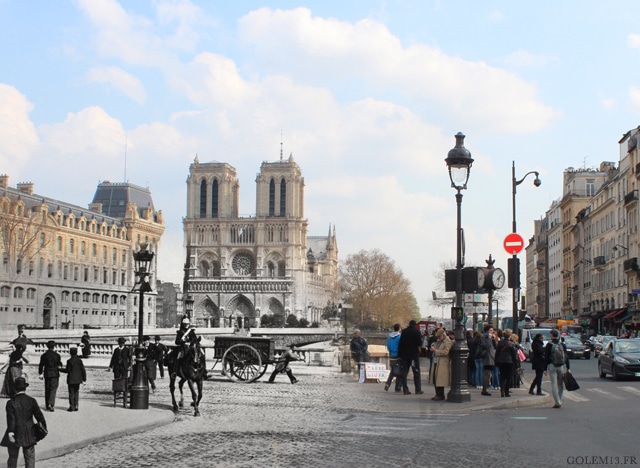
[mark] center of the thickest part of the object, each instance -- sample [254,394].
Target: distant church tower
[239,269]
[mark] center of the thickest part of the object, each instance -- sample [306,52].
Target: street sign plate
[513,243]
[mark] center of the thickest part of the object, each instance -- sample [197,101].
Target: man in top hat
[150,360]
[21,410]
[120,360]
[161,354]
[49,368]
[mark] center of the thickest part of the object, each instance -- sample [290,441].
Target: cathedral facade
[240,268]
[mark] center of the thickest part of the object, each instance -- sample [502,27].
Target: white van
[527,338]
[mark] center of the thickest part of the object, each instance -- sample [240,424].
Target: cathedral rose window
[243,264]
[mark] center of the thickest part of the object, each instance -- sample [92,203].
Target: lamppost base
[459,353]
[139,395]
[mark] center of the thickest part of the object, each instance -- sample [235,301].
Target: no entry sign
[513,243]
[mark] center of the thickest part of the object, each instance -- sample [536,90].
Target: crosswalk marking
[605,393]
[631,390]
[574,396]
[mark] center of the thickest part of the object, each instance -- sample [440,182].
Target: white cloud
[633,40]
[471,93]
[497,16]
[124,82]
[609,103]
[634,94]
[18,136]
[523,58]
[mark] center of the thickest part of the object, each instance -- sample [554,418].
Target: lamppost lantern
[142,263]
[459,162]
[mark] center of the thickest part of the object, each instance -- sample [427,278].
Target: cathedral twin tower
[241,268]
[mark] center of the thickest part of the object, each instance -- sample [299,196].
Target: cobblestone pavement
[323,421]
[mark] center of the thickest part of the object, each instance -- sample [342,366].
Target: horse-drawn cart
[244,358]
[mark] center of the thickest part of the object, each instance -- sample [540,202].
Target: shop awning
[614,313]
[623,317]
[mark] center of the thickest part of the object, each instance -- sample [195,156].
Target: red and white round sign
[513,243]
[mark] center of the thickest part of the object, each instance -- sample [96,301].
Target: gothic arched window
[283,198]
[214,199]
[272,198]
[203,199]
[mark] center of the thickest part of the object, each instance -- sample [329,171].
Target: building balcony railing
[631,264]
[599,262]
[631,197]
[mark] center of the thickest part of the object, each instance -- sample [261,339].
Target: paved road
[330,421]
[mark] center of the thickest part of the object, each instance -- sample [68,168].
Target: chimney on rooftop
[26,187]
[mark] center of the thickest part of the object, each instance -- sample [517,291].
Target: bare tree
[377,290]
[22,238]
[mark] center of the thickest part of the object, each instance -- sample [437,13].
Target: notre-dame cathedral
[239,269]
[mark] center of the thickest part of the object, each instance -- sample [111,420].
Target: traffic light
[513,267]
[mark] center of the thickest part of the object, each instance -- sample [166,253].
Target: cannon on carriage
[244,358]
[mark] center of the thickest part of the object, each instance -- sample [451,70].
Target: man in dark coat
[150,360]
[21,410]
[120,360]
[161,354]
[409,352]
[76,375]
[49,368]
[86,345]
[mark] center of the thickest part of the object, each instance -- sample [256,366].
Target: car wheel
[614,374]
[602,374]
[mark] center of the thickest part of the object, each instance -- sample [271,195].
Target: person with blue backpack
[393,339]
[557,364]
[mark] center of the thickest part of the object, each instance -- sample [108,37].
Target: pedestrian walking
[21,410]
[76,375]
[478,355]
[49,369]
[86,344]
[488,346]
[507,360]
[557,363]
[537,363]
[22,338]
[409,352]
[358,348]
[393,340]
[151,361]
[282,365]
[120,360]
[13,368]
[440,373]
[471,360]
[161,354]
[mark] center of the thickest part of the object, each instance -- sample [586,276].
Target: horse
[190,368]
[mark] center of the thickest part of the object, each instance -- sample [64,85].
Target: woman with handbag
[537,363]
[440,375]
[507,361]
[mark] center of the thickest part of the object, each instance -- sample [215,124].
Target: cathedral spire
[281,152]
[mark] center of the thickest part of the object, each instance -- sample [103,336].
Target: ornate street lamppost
[514,266]
[459,162]
[140,385]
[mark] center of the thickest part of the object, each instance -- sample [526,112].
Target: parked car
[576,348]
[620,358]
[601,344]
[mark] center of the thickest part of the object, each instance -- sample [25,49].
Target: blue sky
[367,95]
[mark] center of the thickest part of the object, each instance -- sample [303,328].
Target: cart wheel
[242,363]
[262,371]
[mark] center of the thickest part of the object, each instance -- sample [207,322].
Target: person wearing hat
[14,370]
[21,410]
[150,361]
[22,338]
[440,374]
[76,375]
[86,344]
[282,365]
[49,368]
[161,354]
[120,360]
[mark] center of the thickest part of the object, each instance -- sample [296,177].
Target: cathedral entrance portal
[241,313]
